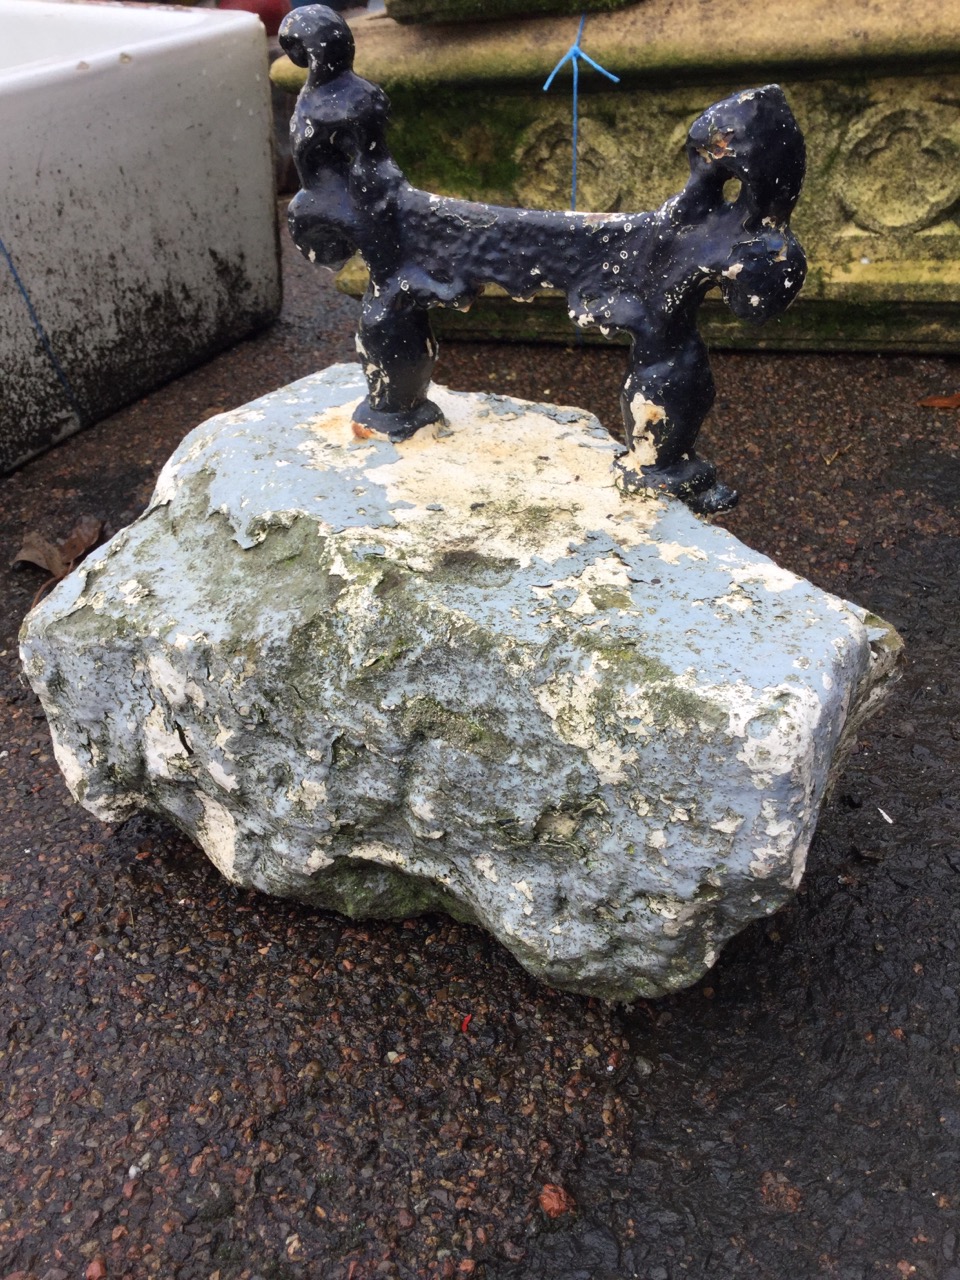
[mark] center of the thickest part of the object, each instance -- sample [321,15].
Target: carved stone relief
[544,160]
[901,166]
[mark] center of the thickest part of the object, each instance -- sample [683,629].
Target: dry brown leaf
[555,1201]
[59,558]
[82,538]
[42,552]
[941,402]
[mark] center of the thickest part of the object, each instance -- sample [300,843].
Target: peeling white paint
[728,825]
[569,701]
[475,455]
[374,851]
[183,642]
[737,600]
[70,765]
[195,694]
[610,572]
[133,591]
[169,681]
[673,552]
[309,793]
[160,744]
[220,776]
[224,732]
[217,833]
[485,865]
[422,809]
[646,414]
[788,746]
[764,573]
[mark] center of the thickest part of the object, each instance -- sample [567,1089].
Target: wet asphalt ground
[202,1083]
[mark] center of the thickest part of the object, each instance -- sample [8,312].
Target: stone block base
[464,672]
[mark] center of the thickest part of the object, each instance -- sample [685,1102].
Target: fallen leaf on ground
[42,552]
[61,558]
[941,402]
[555,1201]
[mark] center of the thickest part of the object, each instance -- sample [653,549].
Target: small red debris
[778,1193]
[466,1022]
[941,402]
[555,1201]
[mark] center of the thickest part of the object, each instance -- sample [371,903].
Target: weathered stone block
[465,672]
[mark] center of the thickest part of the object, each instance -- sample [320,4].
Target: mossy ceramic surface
[464,672]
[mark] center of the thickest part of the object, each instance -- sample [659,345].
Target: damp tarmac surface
[202,1083]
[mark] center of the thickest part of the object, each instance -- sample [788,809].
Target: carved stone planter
[876,92]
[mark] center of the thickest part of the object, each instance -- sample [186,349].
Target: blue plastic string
[41,334]
[574,55]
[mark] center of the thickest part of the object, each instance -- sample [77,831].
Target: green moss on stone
[366,890]
[628,668]
[607,597]
[449,152]
[286,75]
[427,718]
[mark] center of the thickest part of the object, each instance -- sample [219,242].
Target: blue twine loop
[574,55]
[41,334]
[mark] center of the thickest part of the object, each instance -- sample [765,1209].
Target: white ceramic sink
[137,207]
